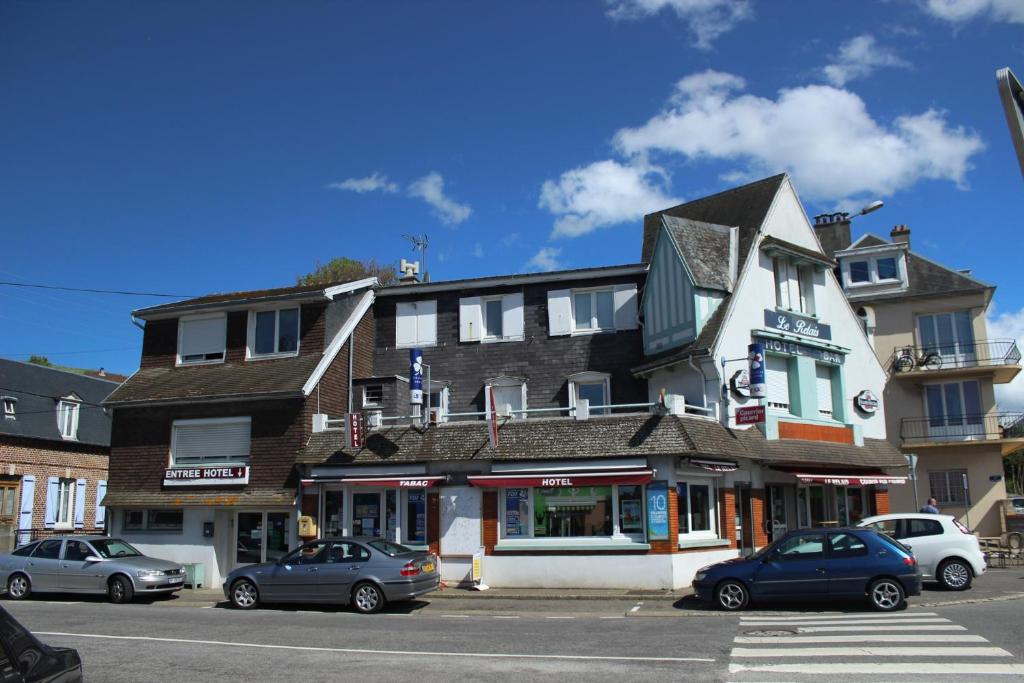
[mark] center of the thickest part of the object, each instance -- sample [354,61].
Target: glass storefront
[366,515]
[566,512]
[399,515]
[261,536]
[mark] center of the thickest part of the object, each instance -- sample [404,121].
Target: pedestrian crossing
[865,647]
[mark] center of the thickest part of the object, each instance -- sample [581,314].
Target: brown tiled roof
[610,436]
[255,498]
[267,377]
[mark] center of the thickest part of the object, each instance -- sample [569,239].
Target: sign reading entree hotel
[206,476]
[797,324]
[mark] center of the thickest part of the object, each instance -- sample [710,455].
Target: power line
[96,291]
[68,353]
[55,398]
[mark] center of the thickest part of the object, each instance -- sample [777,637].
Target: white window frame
[794,285]
[209,421]
[10,405]
[506,382]
[367,403]
[777,406]
[593,326]
[859,283]
[529,537]
[710,482]
[65,503]
[783,293]
[181,334]
[486,336]
[250,344]
[68,409]
[877,275]
[805,286]
[419,339]
[872,263]
[443,395]
[591,377]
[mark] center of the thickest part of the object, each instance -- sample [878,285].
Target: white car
[945,549]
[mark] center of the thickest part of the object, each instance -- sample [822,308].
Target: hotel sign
[797,349]
[231,475]
[796,324]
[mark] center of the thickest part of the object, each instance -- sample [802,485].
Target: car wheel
[955,575]
[120,590]
[367,598]
[244,594]
[731,595]
[887,595]
[18,587]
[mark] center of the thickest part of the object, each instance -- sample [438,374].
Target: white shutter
[426,323]
[80,503]
[559,312]
[203,336]
[823,380]
[471,325]
[405,325]
[777,380]
[216,442]
[512,316]
[625,307]
[28,493]
[101,510]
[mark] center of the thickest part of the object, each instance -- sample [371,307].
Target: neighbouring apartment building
[54,446]
[927,323]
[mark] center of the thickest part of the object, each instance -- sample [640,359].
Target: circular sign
[866,401]
[740,383]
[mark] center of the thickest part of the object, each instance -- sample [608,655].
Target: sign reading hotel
[797,349]
[796,324]
[206,476]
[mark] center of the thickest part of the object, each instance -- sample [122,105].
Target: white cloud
[1009,326]
[824,136]
[604,193]
[478,250]
[371,183]
[858,58]
[546,258]
[707,19]
[511,239]
[961,11]
[430,188]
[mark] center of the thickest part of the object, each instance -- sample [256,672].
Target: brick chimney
[833,230]
[900,234]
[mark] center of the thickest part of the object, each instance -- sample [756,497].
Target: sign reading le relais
[798,324]
[206,476]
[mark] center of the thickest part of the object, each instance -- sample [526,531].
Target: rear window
[26,550]
[48,550]
[846,545]
[895,544]
[922,527]
[389,548]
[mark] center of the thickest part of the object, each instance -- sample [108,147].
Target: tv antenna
[420,243]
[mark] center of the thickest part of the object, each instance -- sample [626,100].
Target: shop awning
[412,481]
[714,465]
[559,479]
[840,479]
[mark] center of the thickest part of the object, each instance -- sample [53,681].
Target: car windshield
[389,548]
[112,547]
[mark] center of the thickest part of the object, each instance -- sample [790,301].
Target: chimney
[101,372]
[410,272]
[900,234]
[833,231]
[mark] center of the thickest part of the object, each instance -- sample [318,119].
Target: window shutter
[101,511]
[206,335]
[52,494]
[79,503]
[471,322]
[823,379]
[777,379]
[512,316]
[405,325]
[487,401]
[559,312]
[28,496]
[223,442]
[426,323]
[625,307]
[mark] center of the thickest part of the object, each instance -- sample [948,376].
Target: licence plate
[428,567]
[176,579]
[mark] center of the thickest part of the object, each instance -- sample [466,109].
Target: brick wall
[811,432]
[44,459]
[727,515]
[757,509]
[881,501]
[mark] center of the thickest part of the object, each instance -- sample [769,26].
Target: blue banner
[416,376]
[657,511]
[755,357]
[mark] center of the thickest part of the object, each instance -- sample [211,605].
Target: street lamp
[870,208]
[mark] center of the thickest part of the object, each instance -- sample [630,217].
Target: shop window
[133,520]
[846,545]
[202,339]
[416,516]
[516,523]
[696,508]
[154,519]
[373,396]
[208,441]
[631,510]
[334,512]
[273,333]
[947,487]
[565,512]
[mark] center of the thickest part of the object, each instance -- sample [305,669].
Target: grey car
[87,564]
[363,572]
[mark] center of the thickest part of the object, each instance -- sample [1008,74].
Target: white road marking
[636,607]
[505,617]
[455,616]
[870,652]
[854,622]
[921,627]
[618,617]
[888,668]
[862,638]
[412,653]
[559,617]
[829,617]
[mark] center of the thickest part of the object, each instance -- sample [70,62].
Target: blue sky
[200,147]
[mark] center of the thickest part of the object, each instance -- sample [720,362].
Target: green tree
[40,360]
[344,269]
[1013,469]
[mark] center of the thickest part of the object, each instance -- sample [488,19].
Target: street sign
[355,430]
[750,415]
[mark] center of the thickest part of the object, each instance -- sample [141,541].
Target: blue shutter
[80,503]
[101,511]
[28,495]
[52,496]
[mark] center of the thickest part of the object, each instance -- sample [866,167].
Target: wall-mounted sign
[797,324]
[416,376]
[757,385]
[797,349]
[866,401]
[355,430]
[750,415]
[657,511]
[233,475]
[740,383]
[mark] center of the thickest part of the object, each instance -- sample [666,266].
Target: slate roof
[511,279]
[278,378]
[705,249]
[228,297]
[699,346]
[795,249]
[39,388]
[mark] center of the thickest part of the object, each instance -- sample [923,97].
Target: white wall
[185,547]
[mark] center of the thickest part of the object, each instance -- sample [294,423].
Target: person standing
[932,507]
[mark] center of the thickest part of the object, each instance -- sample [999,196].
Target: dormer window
[887,269]
[869,269]
[794,285]
[9,404]
[202,339]
[860,271]
[67,417]
[273,333]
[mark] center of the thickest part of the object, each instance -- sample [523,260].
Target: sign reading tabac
[784,321]
[232,475]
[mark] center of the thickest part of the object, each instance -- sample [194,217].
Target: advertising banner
[657,511]
[416,376]
[516,511]
[756,386]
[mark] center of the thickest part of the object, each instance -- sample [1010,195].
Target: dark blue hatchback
[816,564]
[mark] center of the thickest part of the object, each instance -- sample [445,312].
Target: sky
[195,147]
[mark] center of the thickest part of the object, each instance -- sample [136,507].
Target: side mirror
[94,558]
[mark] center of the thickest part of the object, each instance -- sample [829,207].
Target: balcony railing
[992,352]
[963,427]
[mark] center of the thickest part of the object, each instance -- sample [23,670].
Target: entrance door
[260,537]
[744,520]
[366,513]
[8,522]
[776,522]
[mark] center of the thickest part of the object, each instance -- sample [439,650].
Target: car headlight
[149,573]
[700,576]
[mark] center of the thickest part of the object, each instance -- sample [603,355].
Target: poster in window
[632,517]
[516,511]
[657,511]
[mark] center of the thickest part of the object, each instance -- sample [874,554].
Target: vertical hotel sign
[657,511]
[416,377]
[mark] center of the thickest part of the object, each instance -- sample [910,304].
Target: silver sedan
[366,572]
[87,564]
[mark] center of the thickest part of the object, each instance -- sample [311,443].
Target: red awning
[557,479]
[411,481]
[838,479]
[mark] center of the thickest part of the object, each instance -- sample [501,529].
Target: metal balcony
[1000,355]
[1003,428]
